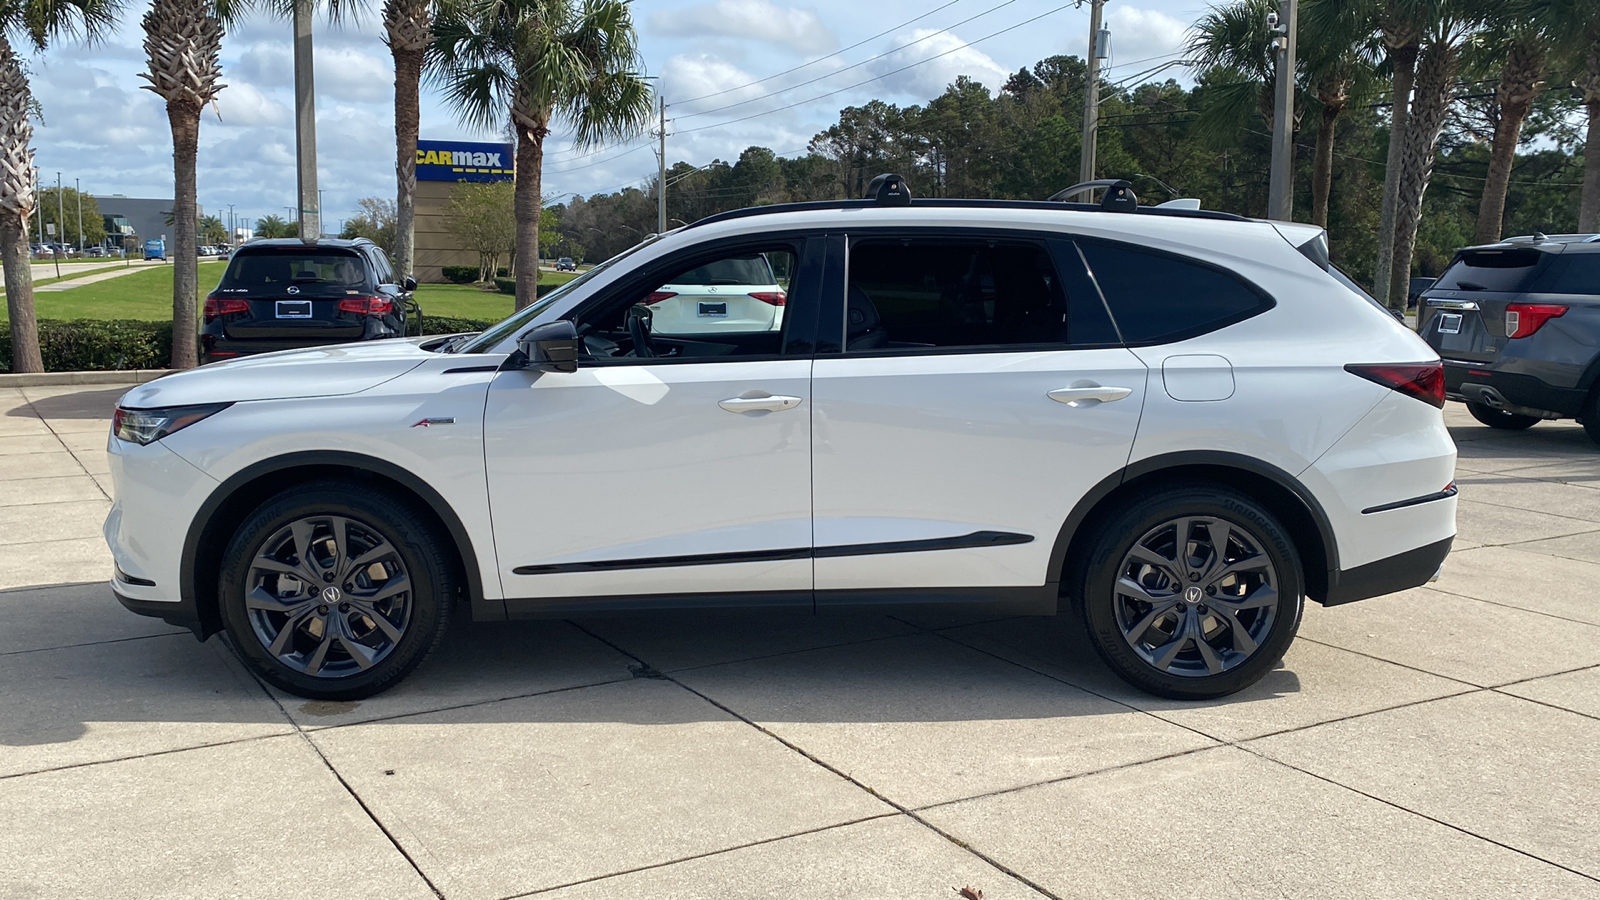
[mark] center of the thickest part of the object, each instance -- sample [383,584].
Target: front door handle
[1088,395]
[759,404]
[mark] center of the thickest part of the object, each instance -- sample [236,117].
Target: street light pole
[305,126]
[78,189]
[61,221]
[1280,191]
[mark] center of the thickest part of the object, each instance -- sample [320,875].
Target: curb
[112,376]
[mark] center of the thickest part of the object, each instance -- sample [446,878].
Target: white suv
[1175,425]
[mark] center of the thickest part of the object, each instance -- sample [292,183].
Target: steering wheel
[639,331]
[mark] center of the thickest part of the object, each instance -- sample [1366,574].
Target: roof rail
[935,203]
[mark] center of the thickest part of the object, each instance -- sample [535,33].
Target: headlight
[145,426]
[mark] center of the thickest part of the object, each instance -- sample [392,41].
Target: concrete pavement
[1438,743]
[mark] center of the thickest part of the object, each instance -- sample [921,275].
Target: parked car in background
[281,294]
[565,264]
[1171,425]
[732,294]
[1518,326]
[96,252]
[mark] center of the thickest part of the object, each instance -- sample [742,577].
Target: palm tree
[533,63]
[37,23]
[1339,60]
[1519,47]
[1575,26]
[275,227]
[183,39]
[408,30]
[1235,37]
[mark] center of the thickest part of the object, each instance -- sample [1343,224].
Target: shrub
[460,274]
[506,285]
[503,272]
[100,344]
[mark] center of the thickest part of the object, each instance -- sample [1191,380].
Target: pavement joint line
[58,584]
[1547,704]
[705,855]
[1241,745]
[1525,509]
[1506,684]
[1466,831]
[57,435]
[121,759]
[1537,612]
[306,737]
[1400,664]
[796,748]
[438,709]
[121,640]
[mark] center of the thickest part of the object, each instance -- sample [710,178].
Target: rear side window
[1157,298]
[1570,273]
[1491,270]
[310,271]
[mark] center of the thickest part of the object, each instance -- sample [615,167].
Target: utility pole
[78,189]
[1280,192]
[661,183]
[38,200]
[1091,92]
[305,125]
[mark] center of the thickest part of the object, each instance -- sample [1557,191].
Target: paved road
[1443,742]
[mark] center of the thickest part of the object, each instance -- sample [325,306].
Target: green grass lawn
[147,294]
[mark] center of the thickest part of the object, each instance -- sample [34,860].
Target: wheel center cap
[331,594]
[1191,594]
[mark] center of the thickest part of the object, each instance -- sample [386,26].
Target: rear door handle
[1089,395]
[759,404]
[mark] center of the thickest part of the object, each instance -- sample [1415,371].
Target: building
[440,166]
[146,216]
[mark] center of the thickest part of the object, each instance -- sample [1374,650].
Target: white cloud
[1138,34]
[947,60]
[761,20]
[242,105]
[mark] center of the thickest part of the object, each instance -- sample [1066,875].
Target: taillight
[776,298]
[217,307]
[1523,319]
[658,296]
[367,306]
[1424,381]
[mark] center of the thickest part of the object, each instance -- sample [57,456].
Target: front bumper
[1403,571]
[174,612]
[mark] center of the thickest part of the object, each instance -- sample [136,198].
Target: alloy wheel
[1196,596]
[328,596]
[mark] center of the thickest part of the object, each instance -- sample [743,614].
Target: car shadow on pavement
[97,404]
[79,663]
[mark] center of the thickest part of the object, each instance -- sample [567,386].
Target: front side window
[920,294]
[731,304]
[1157,298]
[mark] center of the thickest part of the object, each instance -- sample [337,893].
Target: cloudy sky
[100,128]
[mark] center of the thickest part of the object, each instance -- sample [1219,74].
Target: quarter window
[1156,298]
[913,295]
[1571,273]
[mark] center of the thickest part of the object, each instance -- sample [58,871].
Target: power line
[884,75]
[707,112]
[598,161]
[821,58]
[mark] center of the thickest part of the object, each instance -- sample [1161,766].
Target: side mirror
[408,283]
[551,347]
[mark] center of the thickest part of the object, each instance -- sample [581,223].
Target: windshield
[486,341]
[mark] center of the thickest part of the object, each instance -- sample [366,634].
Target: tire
[333,646]
[1141,625]
[1505,421]
[1591,418]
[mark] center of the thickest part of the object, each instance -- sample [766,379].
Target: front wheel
[335,592]
[1497,418]
[1192,592]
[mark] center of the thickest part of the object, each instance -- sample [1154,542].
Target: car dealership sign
[464,161]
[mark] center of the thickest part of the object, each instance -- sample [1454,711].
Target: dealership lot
[1440,742]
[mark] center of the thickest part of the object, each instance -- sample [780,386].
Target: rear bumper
[1400,572]
[1512,391]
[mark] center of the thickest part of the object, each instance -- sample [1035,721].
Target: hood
[287,374]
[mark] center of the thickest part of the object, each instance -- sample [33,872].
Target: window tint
[1491,270]
[1571,273]
[915,294]
[1157,298]
[311,272]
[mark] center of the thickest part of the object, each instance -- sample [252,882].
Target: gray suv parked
[1518,326]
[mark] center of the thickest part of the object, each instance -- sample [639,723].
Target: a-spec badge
[424,423]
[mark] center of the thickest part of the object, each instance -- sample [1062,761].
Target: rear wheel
[335,592]
[1192,592]
[1496,418]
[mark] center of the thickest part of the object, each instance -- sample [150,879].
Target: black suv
[1518,326]
[287,293]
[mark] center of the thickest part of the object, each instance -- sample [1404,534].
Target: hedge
[509,286]
[448,325]
[99,344]
[460,274]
